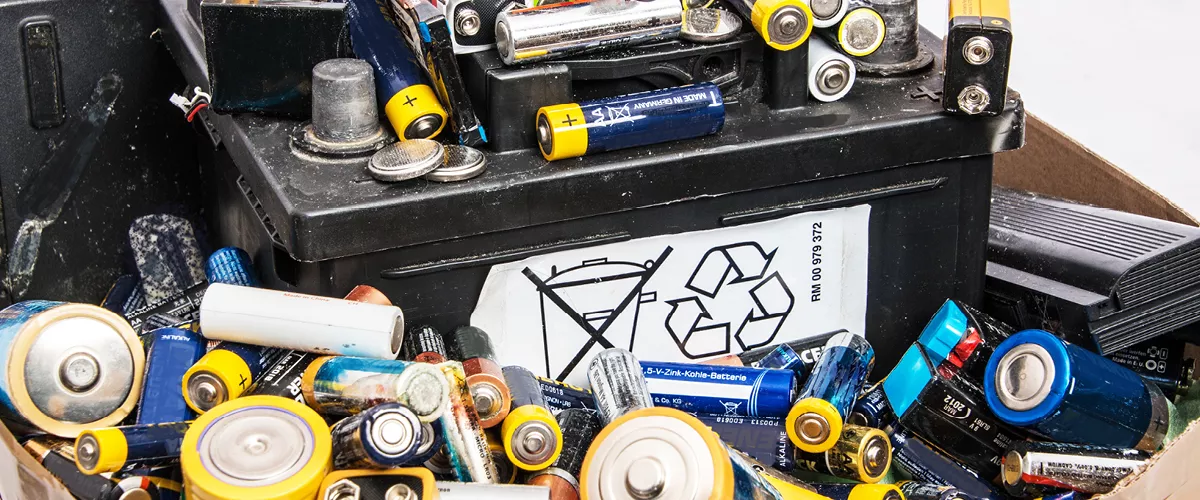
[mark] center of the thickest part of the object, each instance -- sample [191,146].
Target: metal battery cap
[467,21]
[1012,468]
[534,442]
[833,77]
[504,42]
[487,400]
[256,447]
[344,489]
[405,160]
[400,492]
[973,99]
[656,453]
[531,436]
[825,9]
[876,456]
[813,425]
[861,32]
[1024,377]
[708,25]
[459,163]
[87,452]
[788,25]
[206,390]
[394,432]
[978,50]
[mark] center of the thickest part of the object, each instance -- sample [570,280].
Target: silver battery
[830,73]
[618,384]
[559,30]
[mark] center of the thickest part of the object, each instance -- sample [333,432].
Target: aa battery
[826,13]
[561,396]
[1159,360]
[1069,394]
[124,294]
[344,385]
[921,462]
[1038,468]
[301,322]
[474,491]
[913,490]
[831,74]
[232,266]
[859,34]
[618,385]
[284,377]
[532,438]
[172,351]
[978,46]
[256,447]
[225,372]
[566,28]
[466,445]
[859,491]
[423,344]
[788,487]
[872,409]
[412,483]
[491,396]
[184,305]
[113,449]
[665,453]
[428,35]
[380,437]
[808,350]
[861,454]
[67,367]
[58,457]
[411,106]
[961,338]
[721,390]
[764,439]
[815,421]
[783,24]
[948,413]
[577,129]
[579,429]
[506,470]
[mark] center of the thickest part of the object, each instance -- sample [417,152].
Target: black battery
[324,230]
[978,47]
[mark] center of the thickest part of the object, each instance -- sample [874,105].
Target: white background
[1119,76]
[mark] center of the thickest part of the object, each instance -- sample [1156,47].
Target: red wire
[195,110]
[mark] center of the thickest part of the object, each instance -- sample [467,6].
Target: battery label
[184,305]
[968,416]
[1080,473]
[560,396]
[681,297]
[764,439]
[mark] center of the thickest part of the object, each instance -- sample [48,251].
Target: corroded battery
[618,385]
[343,386]
[467,451]
[574,27]
[490,393]
[579,428]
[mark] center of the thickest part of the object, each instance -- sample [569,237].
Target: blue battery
[783,357]
[411,106]
[720,390]
[232,266]
[872,409]
[172,352]
[653,117]
[922,463]
[432,440]
[815,421]
[1072,395]
[763,438]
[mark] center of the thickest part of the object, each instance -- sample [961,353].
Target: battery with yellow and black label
[861,454]
[783,24]
[653,117]
[531,435]
[411,483]
[978,47]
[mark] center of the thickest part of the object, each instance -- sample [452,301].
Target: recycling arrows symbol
[692,326]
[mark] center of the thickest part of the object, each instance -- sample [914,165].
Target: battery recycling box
[863,214]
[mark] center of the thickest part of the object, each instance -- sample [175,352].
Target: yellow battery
[411,112]
[852,31]
[506,471]
[789,488]
[110,449]
[256,447]
[393,483]
[861,454]
[860,491]
[524,433]
[225,372]
[986,11]
[810,411]
[763,17]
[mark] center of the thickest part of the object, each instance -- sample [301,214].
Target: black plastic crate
[926,175]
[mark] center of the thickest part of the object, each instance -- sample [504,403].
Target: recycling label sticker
[680,297]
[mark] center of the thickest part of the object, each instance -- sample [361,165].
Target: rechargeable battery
[978,45]
[344,386]
[172,352]
[113,449]
[490,393]
[721,390]
[411,106]
[1160,360]
[412,483]
[861,454]
[531,435]
[948,413]
[1068,394]
[256,447]
[423,344]
[815,421]
[859,491]
[381,437]
[556,30]
[561,396]
[765,439]
[577,129]
[466,446]
[579,429]
[67,367]
[1036,469]
[618,385]
[783,24]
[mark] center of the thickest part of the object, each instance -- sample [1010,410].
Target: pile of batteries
[243,392]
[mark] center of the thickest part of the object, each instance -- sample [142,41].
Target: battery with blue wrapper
[815,422]
[764,439]
[411,106]
[720,390]
[1065,393]
[925,464]
[577,129]
[172,351]
[232,266]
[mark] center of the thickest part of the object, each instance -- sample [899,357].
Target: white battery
[827,13]
[474,491]
[301,322]
[831,74]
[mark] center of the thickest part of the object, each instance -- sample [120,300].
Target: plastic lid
[1027,377]
[906,381]
[943,333]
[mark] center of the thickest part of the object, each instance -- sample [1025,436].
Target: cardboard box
[1050,163]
